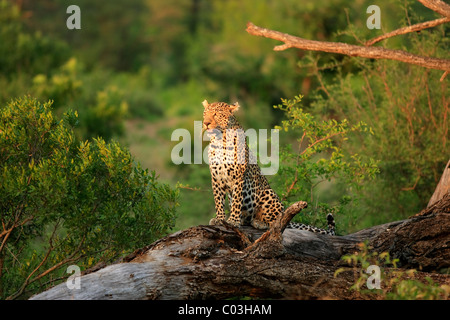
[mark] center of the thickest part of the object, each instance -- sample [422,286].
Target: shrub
[394,283]
[320,155]
[64,201]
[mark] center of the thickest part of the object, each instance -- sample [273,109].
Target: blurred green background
[139,69]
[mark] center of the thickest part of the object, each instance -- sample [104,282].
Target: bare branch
[442,188]
[347,49]
[413,28]
[270,243]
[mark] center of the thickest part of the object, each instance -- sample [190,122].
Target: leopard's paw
[234,223]
[215,221]
[258,224]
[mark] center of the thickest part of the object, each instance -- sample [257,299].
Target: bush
[321,155]
[394,283]
[25,51]
[66,202]
[102,107]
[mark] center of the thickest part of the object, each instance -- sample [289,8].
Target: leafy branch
[319,156]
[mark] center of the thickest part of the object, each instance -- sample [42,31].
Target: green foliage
[395,284]
[407,108]
[106,116]
[65,201]
[405,289]
[320,156]
[23,51]
[41,66]
[111,35]
[162,58]
[103,109]
[63,86]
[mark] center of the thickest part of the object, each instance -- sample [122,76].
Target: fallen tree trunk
[217,262]
[422,242]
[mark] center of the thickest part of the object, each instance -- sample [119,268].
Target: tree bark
[217,262]
[422,242]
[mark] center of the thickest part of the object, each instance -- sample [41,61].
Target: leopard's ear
[234,107]
[205,103]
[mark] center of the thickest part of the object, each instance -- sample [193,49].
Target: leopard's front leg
[219,200]
[236,205]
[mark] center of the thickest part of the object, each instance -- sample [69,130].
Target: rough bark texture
[422,242]
[216,262]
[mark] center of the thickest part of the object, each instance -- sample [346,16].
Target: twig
[288,191]
[320,140]
[414,186]
[27,280]
[292,185]
[408,29]
[187,187]
[70,258]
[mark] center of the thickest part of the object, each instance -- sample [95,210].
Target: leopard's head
[219,116]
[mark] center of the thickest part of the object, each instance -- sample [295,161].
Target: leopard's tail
[331,224]
[330,231]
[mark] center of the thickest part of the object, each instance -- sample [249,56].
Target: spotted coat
[234,172]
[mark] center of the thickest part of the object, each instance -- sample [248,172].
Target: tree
[65,201]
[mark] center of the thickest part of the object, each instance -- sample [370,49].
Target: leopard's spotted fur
[235,173]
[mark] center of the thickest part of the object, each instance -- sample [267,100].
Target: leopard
[235,173]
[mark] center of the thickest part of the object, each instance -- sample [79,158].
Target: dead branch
[408,29]
[270,243]
[443,186]
[347,49]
